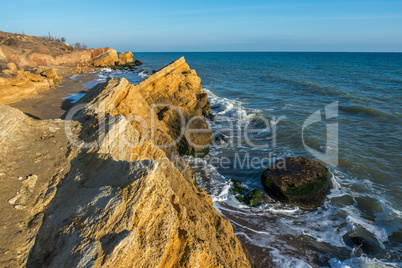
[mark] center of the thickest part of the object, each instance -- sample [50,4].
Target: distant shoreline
[356,52]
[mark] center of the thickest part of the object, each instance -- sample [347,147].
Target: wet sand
[50,104]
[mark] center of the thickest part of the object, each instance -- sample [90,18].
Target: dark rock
[137,63]
[300,181]
[368,245]
[220,138]
[265,199]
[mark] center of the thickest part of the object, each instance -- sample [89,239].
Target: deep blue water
[247,90]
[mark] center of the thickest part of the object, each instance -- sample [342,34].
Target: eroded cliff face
[19,84]
[28,53]
[114,197]
[33,51]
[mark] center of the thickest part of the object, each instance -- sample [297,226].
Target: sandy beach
[51,104]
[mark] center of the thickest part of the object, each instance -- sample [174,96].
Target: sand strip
[50,104]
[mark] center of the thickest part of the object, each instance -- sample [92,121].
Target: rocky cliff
[32,56]
[33,51]
[18,84]
[112,195]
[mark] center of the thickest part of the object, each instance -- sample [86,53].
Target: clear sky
[213,25]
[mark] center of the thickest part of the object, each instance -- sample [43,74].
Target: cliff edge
[111,193]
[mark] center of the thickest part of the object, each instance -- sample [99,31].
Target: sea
[341,109]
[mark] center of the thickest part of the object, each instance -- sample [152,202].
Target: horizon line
[279,51]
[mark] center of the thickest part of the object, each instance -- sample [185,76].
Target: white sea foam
[229,109]
[327,224]
[106,70]
[143,74]
[362,262]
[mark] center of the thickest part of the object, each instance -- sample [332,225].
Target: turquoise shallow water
[247,90]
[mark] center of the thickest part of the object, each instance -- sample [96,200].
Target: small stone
[138,63]
[11,66]
[13,200]
[30,182]
[8,72]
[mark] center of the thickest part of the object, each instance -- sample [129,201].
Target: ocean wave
[228,108]
[327,224]
[340,215]
[316,87]
[365,110]
[143,74]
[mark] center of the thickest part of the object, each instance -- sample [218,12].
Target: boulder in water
[300,181]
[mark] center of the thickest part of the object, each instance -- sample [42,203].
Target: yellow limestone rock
[173,95]
[11,66]
[107,58]
[125,57]
[20,84]
[117,201]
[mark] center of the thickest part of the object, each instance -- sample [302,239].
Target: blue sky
[213,25]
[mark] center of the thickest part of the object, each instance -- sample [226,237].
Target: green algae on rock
[252,198]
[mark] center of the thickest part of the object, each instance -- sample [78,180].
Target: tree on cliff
[78,45]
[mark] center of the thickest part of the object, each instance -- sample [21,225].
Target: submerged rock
[220,138]
[250,198]
[363,241]
[138,62]
[237,188]
[300,181]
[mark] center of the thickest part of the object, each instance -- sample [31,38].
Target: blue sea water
[266,100]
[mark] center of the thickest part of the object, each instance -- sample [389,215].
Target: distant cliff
[113,195]
[25,62]
[33,51]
